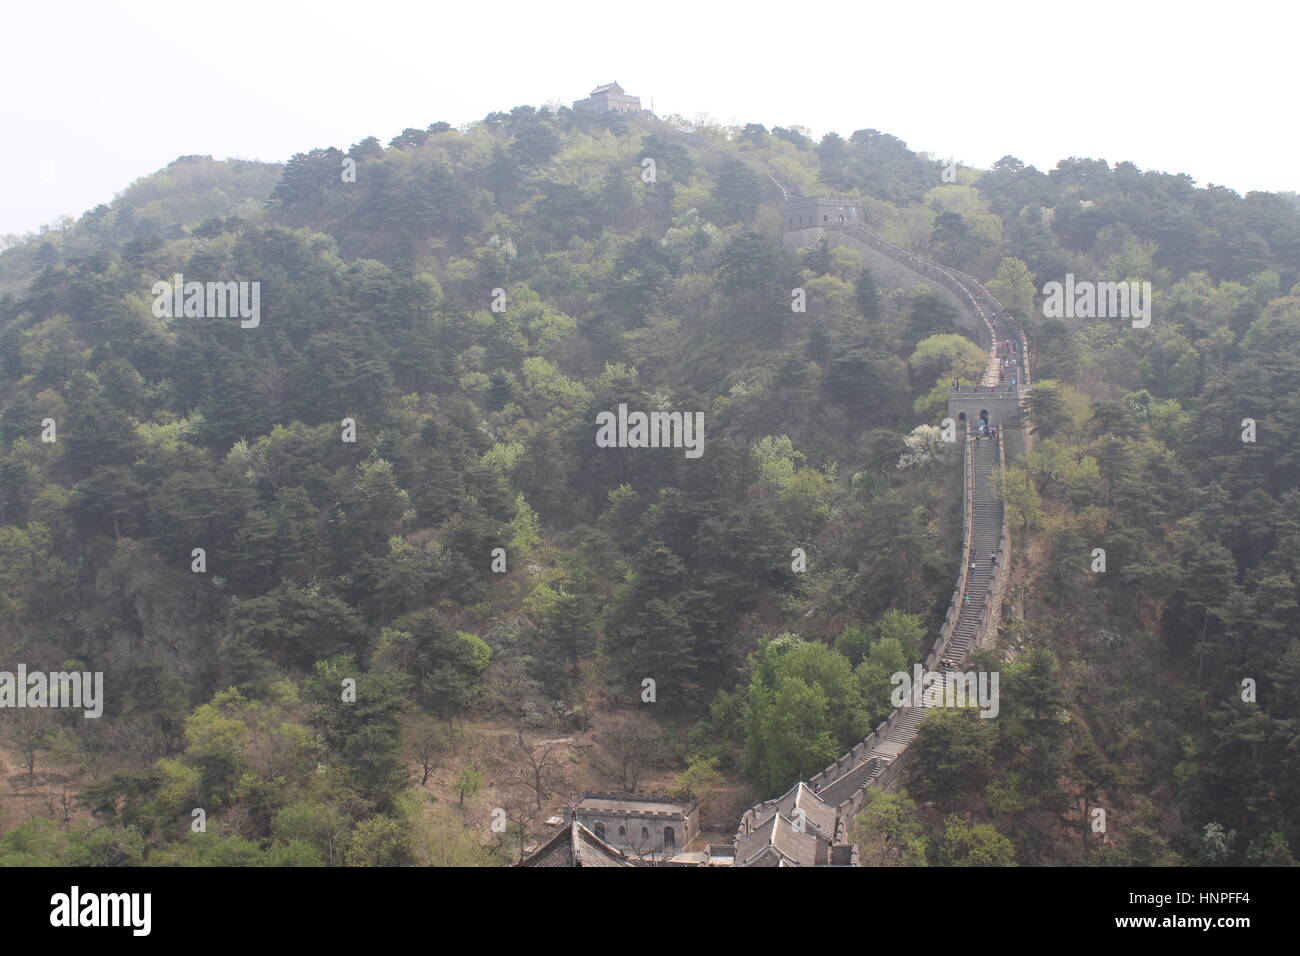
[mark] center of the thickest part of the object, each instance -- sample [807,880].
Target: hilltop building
[609,98]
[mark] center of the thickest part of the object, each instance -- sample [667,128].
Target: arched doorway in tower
[670,840]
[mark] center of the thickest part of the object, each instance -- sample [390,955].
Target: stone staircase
[986,532]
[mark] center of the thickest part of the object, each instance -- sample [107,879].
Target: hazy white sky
[98,94]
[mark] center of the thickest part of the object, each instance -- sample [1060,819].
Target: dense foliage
[375,561]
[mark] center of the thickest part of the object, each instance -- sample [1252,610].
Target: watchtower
[609,98]
[996,404]
[818,212]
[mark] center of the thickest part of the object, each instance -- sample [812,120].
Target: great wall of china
[970,624]
[811,824]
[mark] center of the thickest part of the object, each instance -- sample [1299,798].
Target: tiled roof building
[796,829]
[609,98]
[575,845]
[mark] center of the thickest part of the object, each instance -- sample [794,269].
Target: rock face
[161,614]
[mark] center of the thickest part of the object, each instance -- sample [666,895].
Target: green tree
[468,782]
[888,831]
[1013,286]
[953,755]
[977,845]
[446,667]
[362,733]
[1046,407]
[379,841]
[700,776]
[1020,496]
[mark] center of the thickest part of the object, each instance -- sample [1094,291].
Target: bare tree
[538,767]
[29,731]
[508,687]
[643,847]
[522,816]
[635,744]
[427,745]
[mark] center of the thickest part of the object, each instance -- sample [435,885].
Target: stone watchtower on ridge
[807,218]
[609,98]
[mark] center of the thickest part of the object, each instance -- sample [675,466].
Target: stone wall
[977,312]
[892,272]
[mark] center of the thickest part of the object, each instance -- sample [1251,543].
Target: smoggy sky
[98,94]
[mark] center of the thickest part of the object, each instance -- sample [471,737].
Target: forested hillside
[464,303]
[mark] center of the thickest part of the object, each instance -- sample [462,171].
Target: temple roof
[575,845]
[818,814]
[797,830]
[778,842]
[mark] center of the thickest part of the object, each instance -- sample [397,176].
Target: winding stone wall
[874,761]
